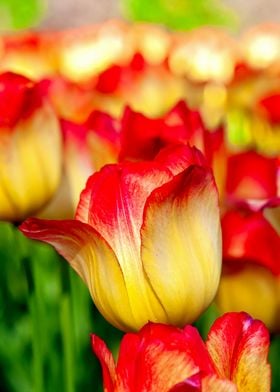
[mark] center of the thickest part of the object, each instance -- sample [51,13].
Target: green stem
[67,343]
[36,347]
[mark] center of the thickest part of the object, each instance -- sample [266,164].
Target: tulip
[86,148]
[143,137]
[30,148]
[146,239]
[250,175]
[167,359]
[251,272]
[29,54]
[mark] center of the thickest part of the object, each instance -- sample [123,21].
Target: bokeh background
[46,313]
[66,13]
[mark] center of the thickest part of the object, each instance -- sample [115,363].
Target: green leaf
[274,358]
[180,14]
[20,14]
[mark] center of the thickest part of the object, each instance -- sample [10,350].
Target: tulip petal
[182,219]
[239,346]
[239,287]
[113,204]
[29,174]
[158,357]
[177,158]
[92,258]
[107,363]
[246,235]
[251,175]
[214,384]
[143,137]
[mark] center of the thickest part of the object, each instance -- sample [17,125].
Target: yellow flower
[30,148]
[146,239]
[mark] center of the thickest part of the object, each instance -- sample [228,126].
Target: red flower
[143,137]
[167,359]
[251,271]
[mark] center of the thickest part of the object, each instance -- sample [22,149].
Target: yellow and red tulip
[146,239]
[251,272]
[164,358]
[30,148]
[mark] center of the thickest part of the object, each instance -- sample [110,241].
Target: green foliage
[274,358]
[20,14]
[46,317]
[205,321]
[180,14]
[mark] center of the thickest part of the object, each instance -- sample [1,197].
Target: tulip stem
[35,306]
[66,320]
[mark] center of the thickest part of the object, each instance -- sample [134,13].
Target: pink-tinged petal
[248,236]
[251,176]
[239,347]
[93,259]
[200,383]
[107,363]
[181,244]
[192,384]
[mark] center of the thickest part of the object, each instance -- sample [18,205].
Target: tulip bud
[146,239]
[30,148]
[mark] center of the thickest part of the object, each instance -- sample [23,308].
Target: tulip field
[140,209]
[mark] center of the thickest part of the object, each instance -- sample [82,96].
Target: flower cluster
[153,169]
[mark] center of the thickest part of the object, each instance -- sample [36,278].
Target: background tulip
[86,148]
[146,239]
[251,253]
[30,148]
[167,359]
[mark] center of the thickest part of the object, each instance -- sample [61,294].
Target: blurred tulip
[29,54]
[260,46]
[142,137]
[71,101]
[86,148]
[30,148]
[146,239]
[251,176]
[167,359]
[251,271]
[205,54]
